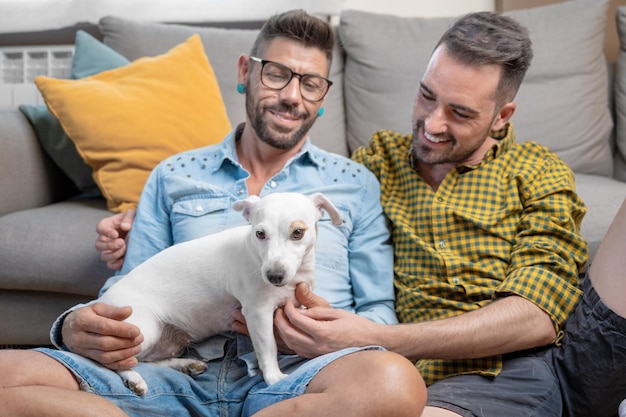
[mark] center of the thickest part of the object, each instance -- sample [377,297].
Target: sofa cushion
[126,120]
[90,57]
[620,97]
[562,103]
[603,196]
[47,249]
[135,39]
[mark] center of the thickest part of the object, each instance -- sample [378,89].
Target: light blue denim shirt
[191,194]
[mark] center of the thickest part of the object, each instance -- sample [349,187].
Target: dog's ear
[246,205]
[323,203]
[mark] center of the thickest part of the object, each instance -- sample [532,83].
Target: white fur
[188,291]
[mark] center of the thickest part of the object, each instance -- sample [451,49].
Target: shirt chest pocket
[196,217]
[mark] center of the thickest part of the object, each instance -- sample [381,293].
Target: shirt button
[455,280]
[442,244]
[273,184]
[198,208]
[240,191]
[440,199]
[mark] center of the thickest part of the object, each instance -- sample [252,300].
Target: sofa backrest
[620,98]
[563,102]
[135,39]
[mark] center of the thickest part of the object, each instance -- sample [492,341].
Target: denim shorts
[225,389]
[583,377]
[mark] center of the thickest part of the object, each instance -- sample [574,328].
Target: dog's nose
[276,278]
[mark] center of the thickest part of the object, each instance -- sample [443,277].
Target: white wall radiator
[19,65]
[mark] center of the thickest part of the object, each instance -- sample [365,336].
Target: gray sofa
[571,101]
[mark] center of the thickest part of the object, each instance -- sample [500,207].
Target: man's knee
[29,367]
[375,378]
[397,379]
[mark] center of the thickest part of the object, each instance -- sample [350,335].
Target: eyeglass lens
[277,76]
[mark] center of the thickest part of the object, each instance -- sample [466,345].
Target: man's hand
[315,330]
[305,297]
[98,332]
[320,330]
[112,238]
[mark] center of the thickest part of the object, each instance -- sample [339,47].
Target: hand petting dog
[304,296]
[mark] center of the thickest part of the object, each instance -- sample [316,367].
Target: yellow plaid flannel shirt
[509,225]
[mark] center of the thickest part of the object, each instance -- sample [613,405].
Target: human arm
[112,239]
[508,324]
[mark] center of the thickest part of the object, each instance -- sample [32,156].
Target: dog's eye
[297,234]
[260,235]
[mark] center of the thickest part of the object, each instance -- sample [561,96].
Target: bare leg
[438,412]
[366,383]
[32,384]
[608,266]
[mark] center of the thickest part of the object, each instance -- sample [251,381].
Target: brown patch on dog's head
[297,229]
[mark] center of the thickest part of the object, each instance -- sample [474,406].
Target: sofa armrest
[28,178]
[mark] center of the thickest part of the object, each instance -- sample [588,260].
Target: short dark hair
[298,25]
[489,38]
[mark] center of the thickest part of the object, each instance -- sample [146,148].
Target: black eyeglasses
[277,76]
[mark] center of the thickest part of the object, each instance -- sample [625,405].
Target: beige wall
[611,45]
[419,7]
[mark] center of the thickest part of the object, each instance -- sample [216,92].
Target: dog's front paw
[139,387]
[274,377]
[195,368]
[134,382]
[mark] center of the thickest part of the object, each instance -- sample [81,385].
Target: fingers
[127,219]
[111,242]
[294,335]
[116,264]
[239,322]
[112,252]
[115,313]
[98,332]
[307,298]
[116,226]
[280,343]
[108,244]
[123,358]
[108,227]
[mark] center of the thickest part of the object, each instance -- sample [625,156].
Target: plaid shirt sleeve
[548,249]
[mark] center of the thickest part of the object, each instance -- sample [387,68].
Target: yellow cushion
[126,120]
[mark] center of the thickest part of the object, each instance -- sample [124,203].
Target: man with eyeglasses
[191,195]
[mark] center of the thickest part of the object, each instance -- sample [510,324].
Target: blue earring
[320,112]
[241,88]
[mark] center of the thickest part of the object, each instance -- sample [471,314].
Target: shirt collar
[228,150]
[506,140]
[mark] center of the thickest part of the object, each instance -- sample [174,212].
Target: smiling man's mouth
[436,139]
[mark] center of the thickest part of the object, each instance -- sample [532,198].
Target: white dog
[188,291]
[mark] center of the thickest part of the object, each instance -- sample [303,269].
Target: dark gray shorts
[584,377]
